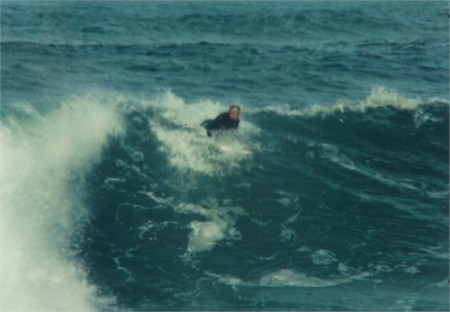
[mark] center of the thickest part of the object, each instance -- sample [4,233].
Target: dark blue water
[113,198]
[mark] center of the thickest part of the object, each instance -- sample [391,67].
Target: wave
[162,160]
[44,161]
[379,97]
[151,48]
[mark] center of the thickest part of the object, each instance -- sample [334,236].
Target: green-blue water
[113,198]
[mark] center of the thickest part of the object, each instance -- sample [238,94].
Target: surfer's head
[234,111]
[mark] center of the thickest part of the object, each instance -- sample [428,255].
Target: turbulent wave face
[114,198]
[44,162]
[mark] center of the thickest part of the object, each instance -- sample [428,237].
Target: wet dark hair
[234,107]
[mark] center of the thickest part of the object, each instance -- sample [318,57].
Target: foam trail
[288,278]
[44,159]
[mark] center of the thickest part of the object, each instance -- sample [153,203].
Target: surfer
[224,121]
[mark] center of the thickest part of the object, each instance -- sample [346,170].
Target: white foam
[204,235]
[287,278]
[379,97]
[219,225]
[186,150]
[323,257]
[293,278]
[42,158]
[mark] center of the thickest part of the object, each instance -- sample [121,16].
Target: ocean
[114,199]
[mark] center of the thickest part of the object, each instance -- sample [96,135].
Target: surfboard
[235,149]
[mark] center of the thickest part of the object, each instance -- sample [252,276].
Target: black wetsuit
[222,122]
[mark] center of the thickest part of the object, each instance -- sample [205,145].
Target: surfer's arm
[236,125]
[217,123]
